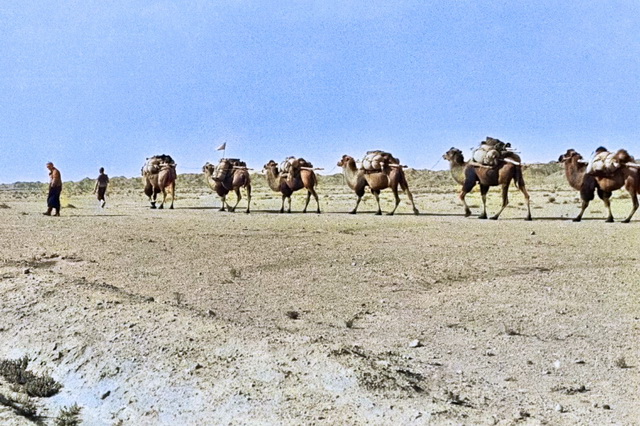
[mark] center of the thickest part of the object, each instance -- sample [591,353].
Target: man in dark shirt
[55,188]
[101,186]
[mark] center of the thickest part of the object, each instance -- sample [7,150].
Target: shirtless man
[101,186]
[55,188]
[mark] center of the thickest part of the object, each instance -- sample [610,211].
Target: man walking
[55,188]
[101,186]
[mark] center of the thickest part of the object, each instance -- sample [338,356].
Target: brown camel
[228,177]
[604,184]
[468,175]
[301,178]
[159,175]
[358,180]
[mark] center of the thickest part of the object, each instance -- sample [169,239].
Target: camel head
[208,168]
[623,156]
[345,161]
[271,165]
[569,155]
[454,155]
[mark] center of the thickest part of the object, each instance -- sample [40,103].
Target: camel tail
[518,179]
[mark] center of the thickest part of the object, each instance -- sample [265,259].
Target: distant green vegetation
[549,176]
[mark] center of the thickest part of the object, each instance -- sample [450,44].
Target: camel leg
[505,201]
[607,204]
[483,192]
[585,204]
[289,204]
[634,199]
[282,206]
[376,194]
[164,197]
[238,198]
[173,194]
[405,189]
[466,188]
[315,195]
[359,194]
[224,201]
[248,189]
[527,200]
[397,197]
[307,202]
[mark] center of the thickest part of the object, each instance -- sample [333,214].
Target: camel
[229,178]
[159,175]
[468,175]
[301,178]
[358,180]
[627,177]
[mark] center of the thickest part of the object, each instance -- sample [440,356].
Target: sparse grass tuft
[621,362]
[15,372]
[21,404]
[235,273]
[512,331]
[69,416]
[294,315]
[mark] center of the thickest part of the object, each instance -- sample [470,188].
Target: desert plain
[195,316]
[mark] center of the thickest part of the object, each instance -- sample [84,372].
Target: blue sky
[92,83]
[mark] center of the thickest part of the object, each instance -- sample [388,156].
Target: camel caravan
[492,163]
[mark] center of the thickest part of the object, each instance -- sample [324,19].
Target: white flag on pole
[222,147]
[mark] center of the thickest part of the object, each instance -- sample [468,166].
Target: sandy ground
[193,316]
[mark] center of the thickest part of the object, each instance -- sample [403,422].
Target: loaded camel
[468,174]
[626,176]
[358,180]
[229,175]
[159,175]
[301,175]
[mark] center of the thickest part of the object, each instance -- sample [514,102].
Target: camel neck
[272,179]
[351,174]
[457,170]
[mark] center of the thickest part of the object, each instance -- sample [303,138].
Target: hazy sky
[107,83]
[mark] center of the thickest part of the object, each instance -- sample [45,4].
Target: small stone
[559,408]
[149,299]
[533,232]
[354,264]
[556,364]
[211,313]
[415,343]
[606,407]
[105,395]
[579,361]
[26,271]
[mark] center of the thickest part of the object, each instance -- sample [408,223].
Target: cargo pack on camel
[607,163]
[490,152]
[159,175]
[291,166]
[226,167]
[378,161]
